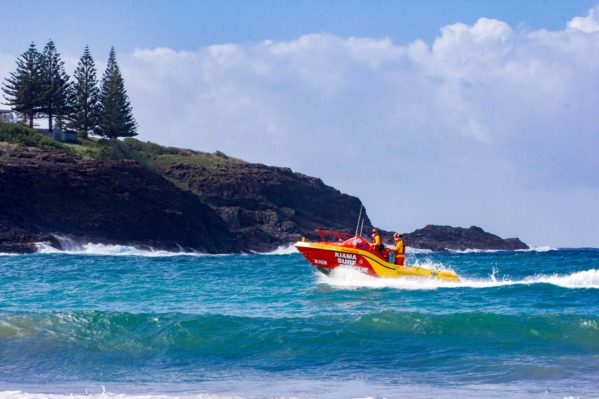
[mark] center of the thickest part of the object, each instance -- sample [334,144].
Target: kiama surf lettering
[345,259]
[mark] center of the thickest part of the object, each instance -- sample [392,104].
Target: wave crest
[111,250]
[73,247]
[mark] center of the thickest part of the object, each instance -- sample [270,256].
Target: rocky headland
[442,238]
[145,195]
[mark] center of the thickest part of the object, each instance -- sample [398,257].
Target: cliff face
[101,201]
[228,206]
[268,205]
[147,195]
[440,238]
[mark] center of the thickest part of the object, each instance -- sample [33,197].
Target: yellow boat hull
[328,256]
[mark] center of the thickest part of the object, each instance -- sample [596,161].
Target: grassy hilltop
[154,156]
[147,153]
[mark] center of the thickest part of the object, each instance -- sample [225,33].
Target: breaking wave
[352,279]
[109,395]
[282,250]
[410,250]
[531,249]
[72,247]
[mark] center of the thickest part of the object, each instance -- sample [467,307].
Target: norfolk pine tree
[86,95]
[55,85]
[23,88]
[116,115]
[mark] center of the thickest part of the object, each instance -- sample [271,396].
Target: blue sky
[192,24]
[461,113]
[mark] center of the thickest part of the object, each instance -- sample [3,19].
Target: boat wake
[348,278]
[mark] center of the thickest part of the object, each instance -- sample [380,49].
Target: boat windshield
[343,239]
[356,242]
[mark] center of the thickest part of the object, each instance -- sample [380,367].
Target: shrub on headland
[21,135]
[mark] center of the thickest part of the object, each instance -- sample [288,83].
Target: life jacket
[400,247]
[376,238]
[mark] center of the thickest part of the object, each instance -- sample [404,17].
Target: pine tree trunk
[31,119]
[85,121]
[50,119]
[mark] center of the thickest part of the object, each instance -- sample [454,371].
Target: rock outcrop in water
[441,238]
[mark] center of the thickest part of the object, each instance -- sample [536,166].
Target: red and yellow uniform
[400,251]
[377,242]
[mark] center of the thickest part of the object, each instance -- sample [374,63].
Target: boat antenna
[362,226]
[359,216]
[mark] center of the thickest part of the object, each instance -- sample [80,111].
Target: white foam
[110,250]
[108,395]
[531,249]
[538,249]
[282,250]
[410,250]
[474,251]
[349,278]
[349,389]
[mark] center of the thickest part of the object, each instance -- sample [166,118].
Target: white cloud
[588,23]
[488,125]
[485,122]
[6,67]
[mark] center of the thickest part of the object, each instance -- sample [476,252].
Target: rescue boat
[355,251]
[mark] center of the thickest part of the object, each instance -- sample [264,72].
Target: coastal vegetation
[40,87]
[91,148]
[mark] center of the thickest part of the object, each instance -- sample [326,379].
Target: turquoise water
[521,324]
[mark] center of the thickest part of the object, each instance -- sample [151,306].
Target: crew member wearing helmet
[399,249]
[377,242]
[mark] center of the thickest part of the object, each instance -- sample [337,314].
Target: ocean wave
[281,250]
[71,246]
[475,251]
[286,387]
[109,395]
[110,250]
[484,251]
[410,250]
[353,279]
[85,336]
[538,249]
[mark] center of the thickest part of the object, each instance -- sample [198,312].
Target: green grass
[23,136]
[150,154]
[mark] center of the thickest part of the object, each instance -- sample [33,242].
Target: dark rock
[442,238]
[231,206]
[269,206]
[17,240]
[121,202]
